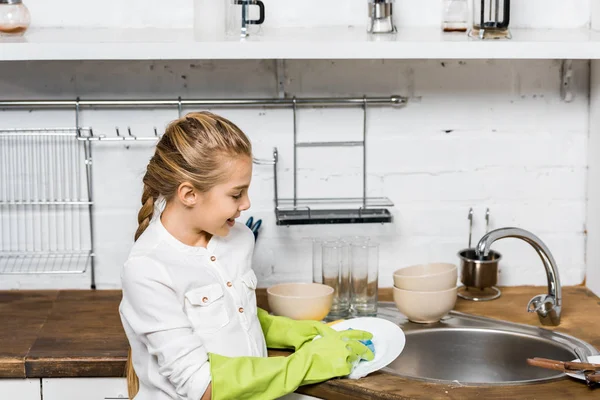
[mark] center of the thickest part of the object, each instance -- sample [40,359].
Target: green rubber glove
[272,377]
[287,333]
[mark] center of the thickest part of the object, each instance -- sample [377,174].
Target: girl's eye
[237,196]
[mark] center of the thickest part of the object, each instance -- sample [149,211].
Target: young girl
[189,305]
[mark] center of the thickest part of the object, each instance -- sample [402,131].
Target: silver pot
[479,272]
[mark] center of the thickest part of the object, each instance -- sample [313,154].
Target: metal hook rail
[180,103]
[19,208]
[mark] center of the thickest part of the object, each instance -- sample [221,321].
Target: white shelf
[296,43]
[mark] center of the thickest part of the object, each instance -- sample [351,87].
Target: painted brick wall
[287,13]
[474,134]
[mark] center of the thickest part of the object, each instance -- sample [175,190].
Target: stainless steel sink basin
[470,350]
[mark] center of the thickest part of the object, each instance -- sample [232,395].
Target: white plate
[388,340]
[579,375]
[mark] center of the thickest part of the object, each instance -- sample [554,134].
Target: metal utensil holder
[305,211]
[45,202]
[478,275]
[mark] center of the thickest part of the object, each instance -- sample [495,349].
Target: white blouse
[181,302]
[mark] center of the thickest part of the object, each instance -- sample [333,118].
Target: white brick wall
[292,13]
[474,134]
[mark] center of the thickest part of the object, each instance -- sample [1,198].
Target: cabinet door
[20,389]
[84,388]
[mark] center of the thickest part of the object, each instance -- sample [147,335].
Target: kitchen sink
[472,350]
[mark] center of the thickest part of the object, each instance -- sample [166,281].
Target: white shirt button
[213,258]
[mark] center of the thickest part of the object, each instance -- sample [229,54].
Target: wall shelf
[295,43]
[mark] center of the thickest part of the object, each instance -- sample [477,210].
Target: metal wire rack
[45,202]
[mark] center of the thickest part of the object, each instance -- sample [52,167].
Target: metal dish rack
[311,211]
[45,202]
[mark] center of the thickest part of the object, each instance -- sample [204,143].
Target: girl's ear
[188,195]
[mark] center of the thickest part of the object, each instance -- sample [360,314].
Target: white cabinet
[84,388]
[20,389]
[96,389]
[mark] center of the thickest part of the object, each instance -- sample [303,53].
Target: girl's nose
[245,204]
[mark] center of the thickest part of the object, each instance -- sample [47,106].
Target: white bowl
[300,300]
[425,307]
[426,277]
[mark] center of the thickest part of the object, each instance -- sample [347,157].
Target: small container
[491,19]
[381,17]
[14,18]
[364,274]
[455,16]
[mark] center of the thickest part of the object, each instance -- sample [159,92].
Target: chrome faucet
[548,306]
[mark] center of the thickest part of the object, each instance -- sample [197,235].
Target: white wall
[288,13]
[475,134]
[512,145]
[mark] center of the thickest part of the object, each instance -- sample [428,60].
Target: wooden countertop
[78,333]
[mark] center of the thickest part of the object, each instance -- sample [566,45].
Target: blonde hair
[193,150]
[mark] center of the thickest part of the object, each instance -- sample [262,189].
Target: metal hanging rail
[258,102]
[293,211]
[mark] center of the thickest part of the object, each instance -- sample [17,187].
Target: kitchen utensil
[491,19]
[557,365]
[364,274]
[583,358]
[14,18]
[577,369]
[425,307]
[300,300]
[426,277]
[388,341]
[479,275]
[455,15]
[254,226]
[239,21]
[381,16]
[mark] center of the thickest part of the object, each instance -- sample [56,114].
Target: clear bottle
[14,18]
[455,15]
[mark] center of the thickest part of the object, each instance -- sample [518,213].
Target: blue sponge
[368,343]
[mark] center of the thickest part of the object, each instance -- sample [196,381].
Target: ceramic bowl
[300,300]
[426,277]
[425,307]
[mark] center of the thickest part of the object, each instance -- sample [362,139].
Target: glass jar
[491,19]
[455,15]
[381,16]
[14,18]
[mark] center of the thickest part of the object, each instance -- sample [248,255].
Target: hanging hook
[487,220]
[155,132]
[470,217]
[179,107]
[130,135]
[77,117]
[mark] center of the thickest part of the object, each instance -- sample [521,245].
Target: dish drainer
[45,201]
[23,205]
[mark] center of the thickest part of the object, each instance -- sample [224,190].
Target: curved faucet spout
[548,307]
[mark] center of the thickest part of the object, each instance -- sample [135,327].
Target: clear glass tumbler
[337,275]
[364,274]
